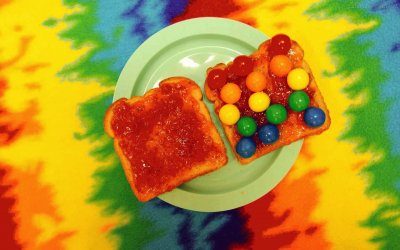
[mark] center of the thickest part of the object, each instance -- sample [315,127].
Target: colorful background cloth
[62,186]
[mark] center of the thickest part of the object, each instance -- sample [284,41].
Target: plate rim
[221,26]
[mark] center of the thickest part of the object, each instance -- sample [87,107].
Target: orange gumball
[230,93]
[256,81]
[280,65]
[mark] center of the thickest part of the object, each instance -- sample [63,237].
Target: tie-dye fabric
[62,186]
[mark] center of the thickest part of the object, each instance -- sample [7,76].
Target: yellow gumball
[298,79]
[259,102]
[229,114]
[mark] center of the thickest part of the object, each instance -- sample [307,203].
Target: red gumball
[216,78]
[242,65]
[280,45]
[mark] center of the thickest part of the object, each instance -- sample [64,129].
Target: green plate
[187,49]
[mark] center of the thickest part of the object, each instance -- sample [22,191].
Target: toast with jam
[164,138]
[268,99]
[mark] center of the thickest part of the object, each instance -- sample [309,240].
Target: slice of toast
[293,128]
[164,138]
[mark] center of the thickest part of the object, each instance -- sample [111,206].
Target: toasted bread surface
[164,138]
[294,128]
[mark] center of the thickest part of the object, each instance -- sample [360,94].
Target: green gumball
[246,126]
[299,101]
[276,114]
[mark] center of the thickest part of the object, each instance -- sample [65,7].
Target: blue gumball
[314,117]
[268,134]
[246,147]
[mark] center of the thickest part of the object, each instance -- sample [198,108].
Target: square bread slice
[294,127]
[164,138]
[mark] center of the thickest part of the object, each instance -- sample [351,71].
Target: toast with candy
[268,99]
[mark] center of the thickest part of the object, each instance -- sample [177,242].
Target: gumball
[298,79]
[276,114]
[230,93]
[216,78]
[246,126]
[242,65]
[314,117]
[229,114]
[280,65]
[258,102]
[268,134]
[256,81]
[299,101]
[246,147]
[280,45]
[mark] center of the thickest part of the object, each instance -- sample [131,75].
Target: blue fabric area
[194,230]
[387,45]
[124,25]
[116,30]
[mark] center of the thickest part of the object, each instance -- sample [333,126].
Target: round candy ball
[298,79]
[230,93]
[256,81]
[280,45]
[268,134]
[216,78]
[242,65]
[229,114]
[276,114]
[246,147]
[299,101]
[258,102]
[246,126]
[314,117]
[280,65]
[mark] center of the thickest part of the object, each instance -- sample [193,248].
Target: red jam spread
[268,77]
[163,135]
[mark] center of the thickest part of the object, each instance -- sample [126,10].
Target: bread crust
[261,64]
[201,169]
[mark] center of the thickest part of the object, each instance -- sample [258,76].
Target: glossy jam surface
[162,136]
